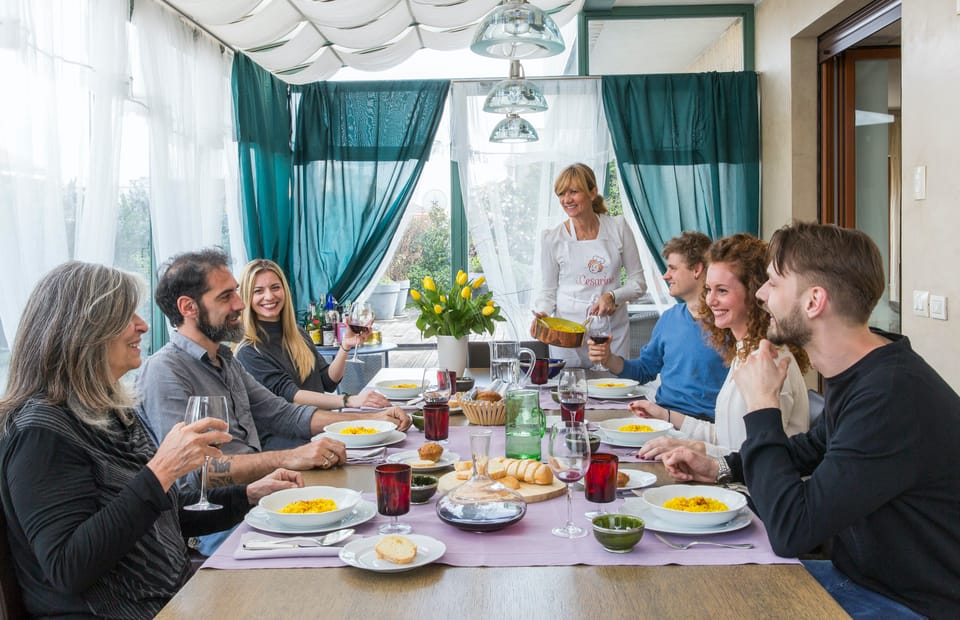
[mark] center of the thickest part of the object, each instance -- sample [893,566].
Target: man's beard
[218,333]
[790,330]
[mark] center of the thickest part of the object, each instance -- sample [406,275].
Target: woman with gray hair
[94,520]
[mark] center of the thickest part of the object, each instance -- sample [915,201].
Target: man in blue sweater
[877,473]
[691,372]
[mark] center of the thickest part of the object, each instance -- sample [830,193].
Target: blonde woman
[280,355]
[735,323]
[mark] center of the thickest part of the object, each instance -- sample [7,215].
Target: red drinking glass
[436,420]
[393,495]
[600,481]
[541,371]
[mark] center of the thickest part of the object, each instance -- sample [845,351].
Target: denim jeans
[856,600]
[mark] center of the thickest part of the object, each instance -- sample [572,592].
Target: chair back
[816,405]
[11,599]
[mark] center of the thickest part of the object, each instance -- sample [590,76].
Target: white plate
[638,480]
[389,440]
[447,459]
[259,519]
[610,387]
[652,522]
[605,438]
[361,553]
[394,393]
[630,396]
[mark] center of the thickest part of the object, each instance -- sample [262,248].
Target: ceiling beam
[598,5]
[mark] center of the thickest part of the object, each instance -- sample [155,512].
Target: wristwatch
[724,473]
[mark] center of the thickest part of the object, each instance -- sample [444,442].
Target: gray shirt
[182,368]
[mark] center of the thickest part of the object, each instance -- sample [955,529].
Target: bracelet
[345,397]
[613,297]
[344,349]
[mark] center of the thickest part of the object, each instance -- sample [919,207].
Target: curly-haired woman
[735,323]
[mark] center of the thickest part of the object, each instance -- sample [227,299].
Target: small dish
[618,533]
[362,554]
[422,488]
[655,498]
[447,459]
[613,386]
[416,418]
[381,430]
[346,500]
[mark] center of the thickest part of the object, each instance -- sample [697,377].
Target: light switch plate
[938,307]
[920,183]
[920,303]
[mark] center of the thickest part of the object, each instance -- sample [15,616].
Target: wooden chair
[11,599]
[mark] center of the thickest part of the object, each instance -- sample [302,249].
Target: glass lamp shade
[511,96]
[517,30]
[513,130]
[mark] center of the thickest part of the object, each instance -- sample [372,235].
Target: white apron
[587,270]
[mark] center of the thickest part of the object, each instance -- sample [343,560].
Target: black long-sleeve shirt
[270,364]
[90,528]
[884,479]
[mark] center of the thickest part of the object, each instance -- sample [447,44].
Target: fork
[683,546]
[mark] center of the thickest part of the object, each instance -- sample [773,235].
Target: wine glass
[437,386]
[572,392]
[569,459]
[600,482]
[360,320]
[599,331]
[393,496]
[198,408]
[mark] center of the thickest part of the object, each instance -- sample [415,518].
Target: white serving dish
[346,500]
[655,498]
[391,390]
[360,441]
[612,387]
[633,439]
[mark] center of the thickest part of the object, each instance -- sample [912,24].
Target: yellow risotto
[609,385]
[698,503]
[309,505]
[403,386]
[359,430]
[635,428]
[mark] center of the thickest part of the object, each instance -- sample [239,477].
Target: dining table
[564,579]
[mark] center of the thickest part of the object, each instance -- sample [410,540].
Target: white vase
[452,353]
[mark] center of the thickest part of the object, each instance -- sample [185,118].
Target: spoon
[301,541]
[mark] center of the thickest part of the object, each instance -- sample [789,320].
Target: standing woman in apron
[581,261]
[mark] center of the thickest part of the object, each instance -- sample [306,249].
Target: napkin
[281,552]
[357,456]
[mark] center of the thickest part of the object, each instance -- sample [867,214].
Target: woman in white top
[736,323]
[581,260]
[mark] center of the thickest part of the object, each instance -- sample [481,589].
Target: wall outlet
[920,303]
[938,307]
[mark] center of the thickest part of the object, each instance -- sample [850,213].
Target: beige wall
[786,32]
[726,54]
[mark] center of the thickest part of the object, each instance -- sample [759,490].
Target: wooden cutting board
[530,492]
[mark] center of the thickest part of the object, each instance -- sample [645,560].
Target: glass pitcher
[525,424]
[504,369]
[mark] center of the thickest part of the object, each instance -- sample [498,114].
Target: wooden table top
[438,591]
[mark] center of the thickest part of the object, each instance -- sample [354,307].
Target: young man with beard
[878,473]
[198,294]
[691,371]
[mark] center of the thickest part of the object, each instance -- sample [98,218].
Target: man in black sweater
[879,472]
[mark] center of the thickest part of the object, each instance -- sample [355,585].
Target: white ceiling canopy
[304,41]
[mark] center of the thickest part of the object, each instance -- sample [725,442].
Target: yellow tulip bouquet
[457,312]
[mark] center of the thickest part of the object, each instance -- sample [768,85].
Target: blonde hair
[303,357]
[581,177]
[60,352]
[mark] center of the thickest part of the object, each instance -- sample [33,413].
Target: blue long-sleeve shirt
[691,371]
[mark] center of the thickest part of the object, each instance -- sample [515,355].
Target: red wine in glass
[436,420]
[569,476]
[541,371]
[572,410]
[600,339]
[600,482]
[359,329]
[393,495]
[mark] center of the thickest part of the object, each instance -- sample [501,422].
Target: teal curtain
[359,149]
[688,152]
[262,116]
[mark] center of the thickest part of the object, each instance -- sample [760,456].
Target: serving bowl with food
[694,505]
[310,506]
[399,389]
[633,432]
[360,433]
[611,387]
[559,332]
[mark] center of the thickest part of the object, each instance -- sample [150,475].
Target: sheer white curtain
[193,186]
[508,188]
[64,63]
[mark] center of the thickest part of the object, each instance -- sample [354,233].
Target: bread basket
[483,412]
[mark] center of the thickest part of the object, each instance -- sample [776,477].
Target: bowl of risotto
[633,432]
[360,433]
[689,505]
[310,506]
[610,387]
[399,389]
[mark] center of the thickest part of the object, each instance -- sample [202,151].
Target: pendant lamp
[513,130]
[515,94]
[517,29]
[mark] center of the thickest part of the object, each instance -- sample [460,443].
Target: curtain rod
[495,79]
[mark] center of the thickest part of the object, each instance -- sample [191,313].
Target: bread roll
[464,469]
[528,470]
[488,395]
[396,549]
[510,482]
[430,451]
[622,478]
[420,463]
